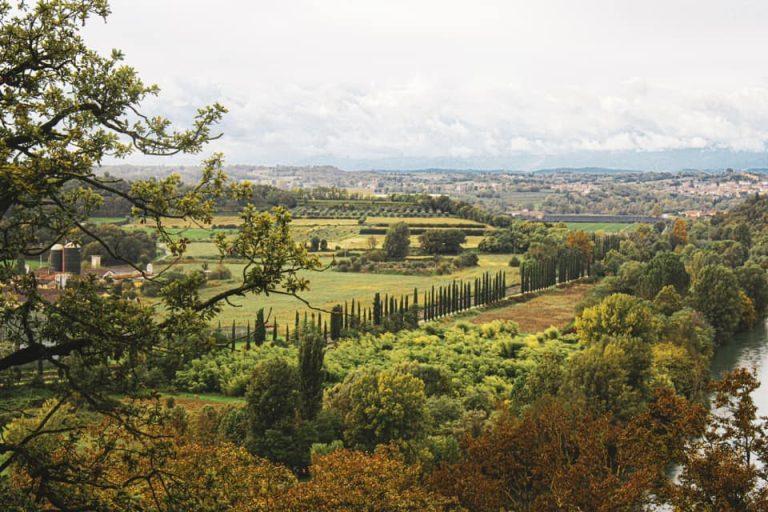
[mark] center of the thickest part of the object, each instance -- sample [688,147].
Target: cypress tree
[433,304]
[233,336]
[311,355]
[274,330]
[248,335]
[358,319]
[336,322]
[377,309]
[260,329]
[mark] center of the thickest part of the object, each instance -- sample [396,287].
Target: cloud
[419,119]
[422,80]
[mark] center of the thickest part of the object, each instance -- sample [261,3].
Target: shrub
[466,259]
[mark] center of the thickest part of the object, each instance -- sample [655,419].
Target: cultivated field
[359,242]
[342,233]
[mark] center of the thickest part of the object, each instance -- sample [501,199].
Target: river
[749,350]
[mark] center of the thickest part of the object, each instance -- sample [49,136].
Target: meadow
[328,288]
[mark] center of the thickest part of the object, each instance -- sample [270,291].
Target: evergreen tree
[260,329]
[311,355]
[377,309]
[336,322]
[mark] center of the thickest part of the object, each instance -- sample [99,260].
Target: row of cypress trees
[455,297]
[539,273]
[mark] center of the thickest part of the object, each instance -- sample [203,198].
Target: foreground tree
[64,109]
[559,457]
[725,470]
[377,407]
[311,373]
[274,426]
[352,480]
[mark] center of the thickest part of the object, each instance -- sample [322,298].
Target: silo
[55,258]
[72,258]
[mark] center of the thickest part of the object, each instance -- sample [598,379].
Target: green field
[106,220]
[328,288]
[608,227]
[454,221]
[341,233]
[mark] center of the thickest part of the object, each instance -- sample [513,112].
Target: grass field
[323,222]
[424,220]
[106,220]
[329,288]
[552,308]
[608,227]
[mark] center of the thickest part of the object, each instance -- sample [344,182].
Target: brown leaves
[556,457]
[347,480]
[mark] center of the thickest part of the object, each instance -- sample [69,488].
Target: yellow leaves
[679,232]
[352,480]
[581,241]
[748,313]
[618,315]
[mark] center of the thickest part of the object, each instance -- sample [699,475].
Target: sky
[465,84]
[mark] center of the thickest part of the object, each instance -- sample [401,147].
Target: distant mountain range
[588,162]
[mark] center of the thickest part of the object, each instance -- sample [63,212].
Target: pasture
[328,288]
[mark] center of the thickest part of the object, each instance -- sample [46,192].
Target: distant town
[595,191]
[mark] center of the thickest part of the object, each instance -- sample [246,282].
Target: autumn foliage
[557,457]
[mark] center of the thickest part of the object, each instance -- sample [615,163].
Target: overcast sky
[476,83]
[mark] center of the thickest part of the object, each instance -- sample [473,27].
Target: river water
[749,350]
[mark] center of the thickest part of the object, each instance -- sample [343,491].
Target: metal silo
[55,258]
[72,258]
